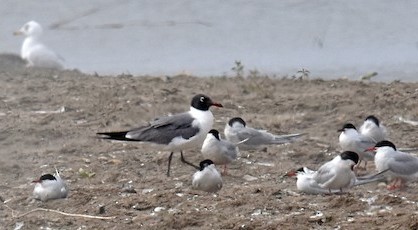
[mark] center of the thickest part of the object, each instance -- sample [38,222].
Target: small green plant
[238,69]
[86,174]
[303,74]
[368,76]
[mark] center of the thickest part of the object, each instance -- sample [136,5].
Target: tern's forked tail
[282,139]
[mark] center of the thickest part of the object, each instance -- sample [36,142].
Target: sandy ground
[49,118]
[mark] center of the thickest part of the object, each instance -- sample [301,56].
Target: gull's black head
[236,119]
[205,163]
[215,133]
[385,143]
[203,102]
[348,155]
[373,119]
[347,126]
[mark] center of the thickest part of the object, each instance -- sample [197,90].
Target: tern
[236,130]
[306,183]
[174,133]
[373,129]
[49,187]
[208,178]
[401,167]
[34,51]
[351,140]
[337,173]
[221,152]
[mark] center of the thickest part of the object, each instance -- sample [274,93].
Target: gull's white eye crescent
[202,99]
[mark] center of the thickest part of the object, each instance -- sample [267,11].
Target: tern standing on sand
[401,167]
[221,152]
[337,173]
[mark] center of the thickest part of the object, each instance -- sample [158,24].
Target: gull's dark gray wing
[160,131]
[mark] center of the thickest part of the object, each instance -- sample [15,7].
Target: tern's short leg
[225,172]
[395,184]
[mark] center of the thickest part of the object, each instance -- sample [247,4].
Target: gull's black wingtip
[119,136]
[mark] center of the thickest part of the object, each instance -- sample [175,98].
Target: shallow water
[331,39]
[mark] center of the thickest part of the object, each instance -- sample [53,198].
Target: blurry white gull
[34,51]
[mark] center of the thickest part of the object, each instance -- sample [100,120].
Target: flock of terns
[193,129]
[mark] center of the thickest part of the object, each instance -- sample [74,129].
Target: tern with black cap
[337,173]
[236,130]
[401,167]
[208,178]
[49,187]
[373,129]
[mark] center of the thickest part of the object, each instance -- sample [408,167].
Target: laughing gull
[49,187]
[236,130]
[33,51]
[177,132]
[207,179]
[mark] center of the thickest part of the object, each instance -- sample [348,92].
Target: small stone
[128,188]
[159,209]
[147,190]
[249,178]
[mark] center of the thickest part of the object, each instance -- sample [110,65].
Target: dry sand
[49,118]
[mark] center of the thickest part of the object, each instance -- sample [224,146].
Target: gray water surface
[331,39]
